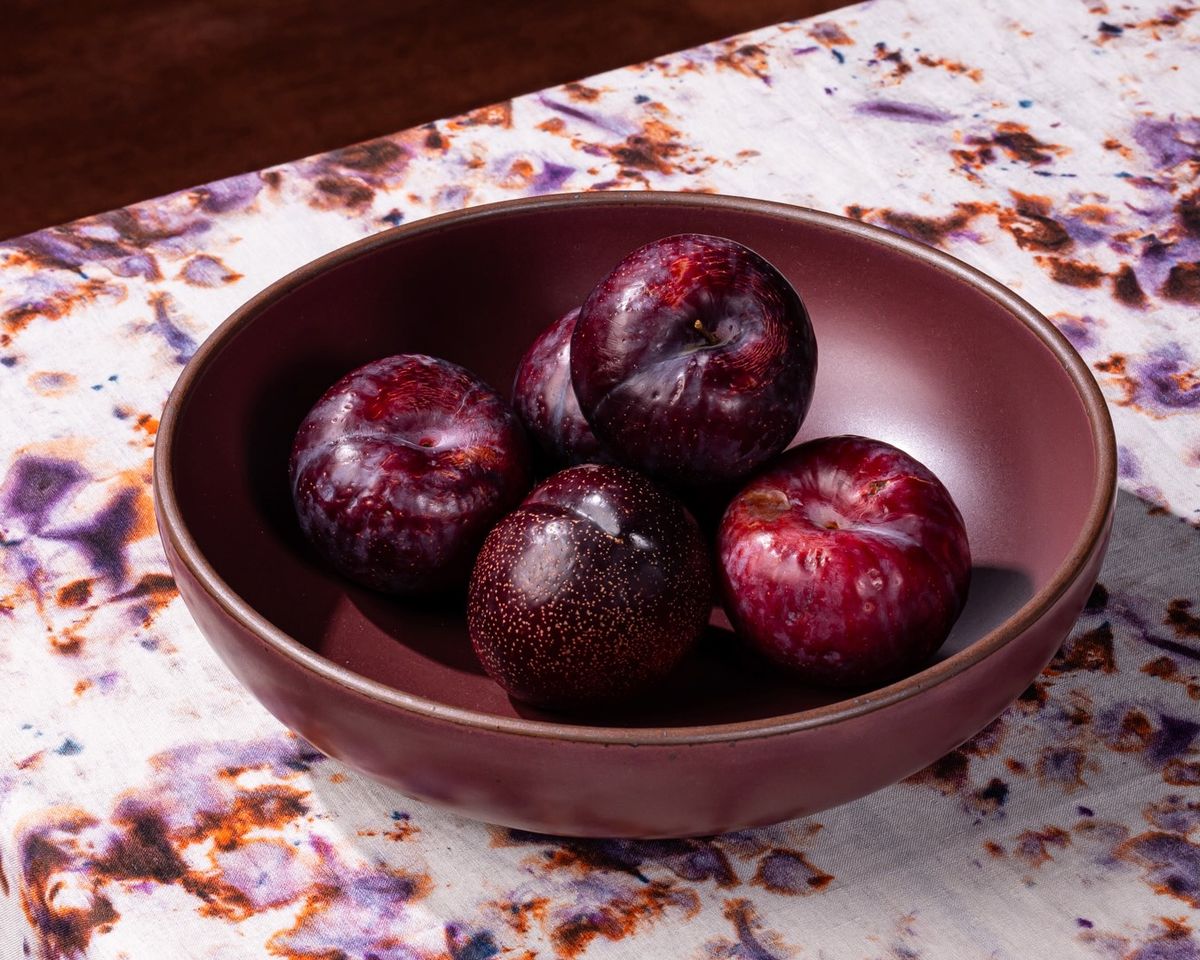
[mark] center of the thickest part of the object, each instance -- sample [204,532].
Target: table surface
[150,808]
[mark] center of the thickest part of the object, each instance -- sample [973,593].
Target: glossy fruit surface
[593,589]
[847,562]
[694,360]
[544,398]
[401,468]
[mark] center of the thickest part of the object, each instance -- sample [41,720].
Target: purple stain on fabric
[688,859]
[1160,259]
[1155,250]
[596,120]
[696,861]
[33,488]
[385,890]
[1172,946]
[1128,467]
[1081,231]
[783,871]
[1172,863]
[1076,329]
[902,112]
[1172,646]
[302,757]
[1084,922]
[551,177]
[206,271]
[996,791]
[749,946]
[233,193]
[1168,142]
[144,265]
[704,863]
[1148,183]
[1174,813]
[58,248]
[451,198]
[1172,739]
[1165,379]
[478,946]
[801,51]
[168,328]
[1062,765]
[103,538]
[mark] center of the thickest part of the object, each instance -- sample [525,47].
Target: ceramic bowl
[916,348]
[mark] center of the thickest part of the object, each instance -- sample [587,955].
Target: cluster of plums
[681,380]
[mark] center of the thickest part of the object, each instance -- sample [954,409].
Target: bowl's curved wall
[913,349]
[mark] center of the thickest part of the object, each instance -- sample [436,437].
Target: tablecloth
[149,808]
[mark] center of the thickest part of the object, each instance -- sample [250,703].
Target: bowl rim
[173,527]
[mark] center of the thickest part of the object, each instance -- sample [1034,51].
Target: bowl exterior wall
[578,788]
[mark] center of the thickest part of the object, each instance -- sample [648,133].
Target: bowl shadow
[996,593]
[434,628]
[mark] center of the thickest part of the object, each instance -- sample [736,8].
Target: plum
[846,561]
[544,398]
[593,589]
[694,361]
[402,467]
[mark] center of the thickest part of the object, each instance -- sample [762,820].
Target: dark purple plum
[846,561]
[694,361]
[590,591]
[402,467]
[545,401]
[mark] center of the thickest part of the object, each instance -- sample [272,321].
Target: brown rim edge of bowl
[1103,494]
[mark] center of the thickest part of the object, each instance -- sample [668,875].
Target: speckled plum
[544,399]
[402,467]
[590,591]
[694,360]
[846,561]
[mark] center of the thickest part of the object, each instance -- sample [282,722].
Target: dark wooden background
[103,104]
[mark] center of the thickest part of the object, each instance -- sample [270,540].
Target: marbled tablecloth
[150,809]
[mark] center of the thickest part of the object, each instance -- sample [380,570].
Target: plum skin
[544,398]
[592,590]
[846,561]
[694,360]
[400,469]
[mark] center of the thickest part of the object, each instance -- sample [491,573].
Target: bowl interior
[909,353]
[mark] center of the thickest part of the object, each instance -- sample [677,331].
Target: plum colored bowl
[915,348]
